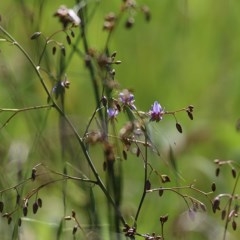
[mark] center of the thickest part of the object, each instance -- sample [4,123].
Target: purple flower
[127,98]
[156,112]
[112,112]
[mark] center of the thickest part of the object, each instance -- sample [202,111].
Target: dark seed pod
[54,49]
[147,185]
[160,192]
[216,204]
[213,187]
[1,206]
[73,214]
[33,176]
[234,225]
[35,207]
[9,220]
[190,115]
[124,155]
[163,219]
[35,35]
[138,151]
[217,171]
[25,211]
[223,215]
[74,229]
[234,172]
[39,202]
[68,40]
[165,178]
[72,34]
[190,108]
[179,127]
[129,23]
[18,199]
[19,222]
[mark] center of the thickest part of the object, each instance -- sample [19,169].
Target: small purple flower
[156,112]
[112,112]
[127,98]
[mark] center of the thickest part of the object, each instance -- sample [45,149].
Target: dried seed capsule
[54,49]
[25,211]
[73,214]
[35,207]
[163,219]
[18,199]
[33,176]
[39,202]
[223,215]
[160,192]
[234,225]
[72,34]
[190,115]
[147,185]
[68,40]
[74,229]
[217,171]
[216,204]
[35,35]
[179,127]
[234,172]
[213,187]
[1,206]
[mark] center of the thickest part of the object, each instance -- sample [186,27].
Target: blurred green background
[189,53]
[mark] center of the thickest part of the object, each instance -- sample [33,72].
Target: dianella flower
[127,99]
[112,113]
[156,113]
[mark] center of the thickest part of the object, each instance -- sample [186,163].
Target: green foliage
[59,81]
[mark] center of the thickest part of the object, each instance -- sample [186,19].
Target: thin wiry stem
[75,132]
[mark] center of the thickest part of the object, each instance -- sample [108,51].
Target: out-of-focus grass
[187,54]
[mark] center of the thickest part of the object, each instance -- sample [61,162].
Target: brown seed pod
[179,127]
[234,174]
[35,208]
[163,219]
[213,187]
[54,49]
[124,155]
[160,192]
[223,215]
[25,211]
[234,225]
[69,41]
[216,204]
[39,202]
[147,185]
[74,229]
[1,206]
[190,115]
